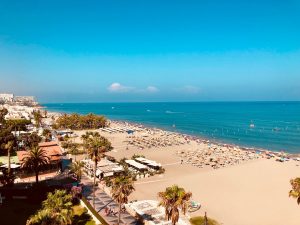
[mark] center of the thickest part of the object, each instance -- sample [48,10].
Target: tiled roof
[52,149]
[45,144]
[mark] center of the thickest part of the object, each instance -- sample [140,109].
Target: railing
[93,211]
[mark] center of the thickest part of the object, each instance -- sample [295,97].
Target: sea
[273,126]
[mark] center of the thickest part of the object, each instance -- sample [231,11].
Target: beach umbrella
[130,131]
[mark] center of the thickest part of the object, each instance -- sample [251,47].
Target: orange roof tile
[53,151]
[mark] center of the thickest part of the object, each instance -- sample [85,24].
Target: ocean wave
[171,112]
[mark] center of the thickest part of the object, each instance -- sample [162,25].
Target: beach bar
[150,163]
[136,165]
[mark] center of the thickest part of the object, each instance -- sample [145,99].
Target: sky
[150,50]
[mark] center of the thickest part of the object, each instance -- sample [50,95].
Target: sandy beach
[252,191]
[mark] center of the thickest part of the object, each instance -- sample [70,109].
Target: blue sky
[150,50]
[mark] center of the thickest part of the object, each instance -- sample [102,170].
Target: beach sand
[254,192]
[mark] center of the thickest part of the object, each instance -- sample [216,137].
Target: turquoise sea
[266,125]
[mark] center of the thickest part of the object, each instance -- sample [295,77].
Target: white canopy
[108,174]
[98,172]
[136,164]
[117,169]
[12,166]
[148,162]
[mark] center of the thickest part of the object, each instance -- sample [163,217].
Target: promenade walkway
[102,200]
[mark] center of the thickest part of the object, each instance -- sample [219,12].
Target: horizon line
[208,101]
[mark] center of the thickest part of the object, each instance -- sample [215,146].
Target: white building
[18,112]
[6,97]
[25,100]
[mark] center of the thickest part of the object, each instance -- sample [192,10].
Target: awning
[12,166]
[98,172]
[136,164]
[148,162]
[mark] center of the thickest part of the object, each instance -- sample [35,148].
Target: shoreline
[196,137]
[255,180]
[244,176]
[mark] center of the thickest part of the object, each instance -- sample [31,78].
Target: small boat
[252,125]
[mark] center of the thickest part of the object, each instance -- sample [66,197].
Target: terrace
[151,213]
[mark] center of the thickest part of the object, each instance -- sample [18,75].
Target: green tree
[173,199]
[47,134]
[85,138]
[97,146]
[7,179]
[9,146]
[35,159]
[31,140]
[6,135]
[122,187]
[3,113]
[79,122]
[42,217]
[295,192]
[37,116]
[18,124]
[8,176]
[56,210]
[73,149]
[76,168]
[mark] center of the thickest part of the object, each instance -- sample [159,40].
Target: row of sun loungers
[150,142]
[217,157]
[119,129]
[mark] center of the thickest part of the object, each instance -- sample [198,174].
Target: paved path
[102,200]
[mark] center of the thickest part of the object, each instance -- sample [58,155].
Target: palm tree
[43,217]
[122,187]
[35,159]
[295,192]
[76,168]
[73,150]
[57,210]
[9,146]
[60,203]
[37,118]
[173,199]
[84,138]
[97,146]
[96,152]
